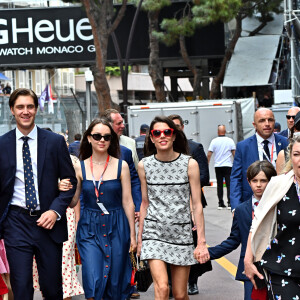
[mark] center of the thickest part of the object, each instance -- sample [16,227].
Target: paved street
[218,284]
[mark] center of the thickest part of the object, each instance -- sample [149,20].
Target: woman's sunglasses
[98,137]
[157,133]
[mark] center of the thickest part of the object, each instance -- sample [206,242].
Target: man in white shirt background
[224,149]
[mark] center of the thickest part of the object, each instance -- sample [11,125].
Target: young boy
[258,175]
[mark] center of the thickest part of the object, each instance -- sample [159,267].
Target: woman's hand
[201,253]
[65,185]
[133,245]
[251,271]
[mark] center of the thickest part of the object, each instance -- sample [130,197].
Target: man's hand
[47,219]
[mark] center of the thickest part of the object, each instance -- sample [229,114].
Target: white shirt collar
[271,139]
[32,134]
[254,200]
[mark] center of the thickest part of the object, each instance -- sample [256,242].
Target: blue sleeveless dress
[104,241]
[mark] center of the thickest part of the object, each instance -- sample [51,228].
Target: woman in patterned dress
[274,239]
[168,178]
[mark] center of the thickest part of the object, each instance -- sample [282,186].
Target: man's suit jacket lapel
[42,148]
[11,150]
[278,143]
[253,148]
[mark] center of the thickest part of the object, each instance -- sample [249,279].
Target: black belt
[35,213]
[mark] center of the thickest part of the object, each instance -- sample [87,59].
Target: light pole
[89,78]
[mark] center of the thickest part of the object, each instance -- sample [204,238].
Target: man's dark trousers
[223,172]
[21,243]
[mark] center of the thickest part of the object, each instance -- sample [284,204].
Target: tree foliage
[199,13]
[195,14]
[210,11]
[155,5]
[114,71]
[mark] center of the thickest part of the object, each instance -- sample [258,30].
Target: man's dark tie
[267,151]
[31,201]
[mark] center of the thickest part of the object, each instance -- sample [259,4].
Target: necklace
[101,163]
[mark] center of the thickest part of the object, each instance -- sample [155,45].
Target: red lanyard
[101,177]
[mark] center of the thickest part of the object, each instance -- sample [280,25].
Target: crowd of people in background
[108,195]
[5,89]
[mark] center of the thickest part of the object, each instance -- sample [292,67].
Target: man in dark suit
[290,117]
[262,145]
[197,152]
[140,141]
[75,146]
[126,155]
[32,210]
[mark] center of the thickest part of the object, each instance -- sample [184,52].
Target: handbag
[143,276]
[260,283]
[134,268]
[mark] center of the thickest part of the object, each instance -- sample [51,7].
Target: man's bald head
[291,116]
[264,122]
[221,130]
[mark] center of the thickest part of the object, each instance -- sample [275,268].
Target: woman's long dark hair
[86,148]
[180,144]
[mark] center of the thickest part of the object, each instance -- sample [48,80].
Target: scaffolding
[292,26]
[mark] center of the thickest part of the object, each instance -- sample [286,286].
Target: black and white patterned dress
[167,231]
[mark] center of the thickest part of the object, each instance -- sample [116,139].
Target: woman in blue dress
[105,231]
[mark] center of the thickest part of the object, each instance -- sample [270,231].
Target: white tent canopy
[252,61]
[273,27]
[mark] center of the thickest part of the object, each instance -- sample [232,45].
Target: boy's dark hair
[263,166]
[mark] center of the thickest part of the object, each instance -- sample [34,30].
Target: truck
[201,119]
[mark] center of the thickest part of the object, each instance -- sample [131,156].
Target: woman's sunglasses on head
[157,133]
[98,137]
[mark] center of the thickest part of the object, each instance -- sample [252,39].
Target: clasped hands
[201,253]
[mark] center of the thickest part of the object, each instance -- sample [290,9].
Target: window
[22,78]
[30,83]
[65,83]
